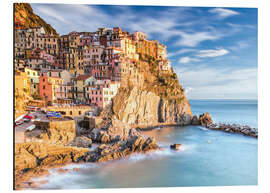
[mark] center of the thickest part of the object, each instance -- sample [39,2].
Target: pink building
[94,94]
[50,58]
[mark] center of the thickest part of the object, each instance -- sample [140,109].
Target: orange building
[146,47]
[48,87]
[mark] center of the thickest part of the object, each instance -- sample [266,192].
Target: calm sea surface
[208,158]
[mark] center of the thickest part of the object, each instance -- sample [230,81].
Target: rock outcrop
[149,97]
[120,149]
[112,134]
[81,142]
[205,119]
[32,158]
[24,13]
[235,128]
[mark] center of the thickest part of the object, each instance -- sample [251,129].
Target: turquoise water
[207,158]
[229,111]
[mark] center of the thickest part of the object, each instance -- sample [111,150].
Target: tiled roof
[82,77]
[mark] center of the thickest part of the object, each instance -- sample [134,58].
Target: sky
[213,50]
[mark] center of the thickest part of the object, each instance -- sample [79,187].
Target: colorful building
[109,92]
[34,81]
[48,87]
[22,82]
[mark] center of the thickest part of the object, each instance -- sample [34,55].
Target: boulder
[112,134]
[205,119]
[120,149]
[81,142]
[175,146]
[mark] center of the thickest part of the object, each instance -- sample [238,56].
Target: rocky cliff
[23,12]
[150,97]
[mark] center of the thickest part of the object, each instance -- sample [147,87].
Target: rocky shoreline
[33,159]
[116,141]
[235,128]
[206,121]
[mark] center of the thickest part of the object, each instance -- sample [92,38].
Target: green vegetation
[165,84]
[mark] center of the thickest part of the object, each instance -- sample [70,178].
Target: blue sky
[212,50]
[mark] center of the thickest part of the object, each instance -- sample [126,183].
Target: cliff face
[24,13]
[150,97]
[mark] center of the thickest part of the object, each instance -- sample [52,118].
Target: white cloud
[223,13]
[51,13]
[179,52]
[212,53]
[212,82]
[187,59]
[193,39]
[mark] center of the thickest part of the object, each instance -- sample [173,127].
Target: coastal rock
[234,128]
[120,149]
[112,134]
[148,97]
[175,146]
[205,119]
[81,142]
[30,157]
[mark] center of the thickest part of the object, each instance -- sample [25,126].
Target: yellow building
[34,81]
[22,82]
[130,48]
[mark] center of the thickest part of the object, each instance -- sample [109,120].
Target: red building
[48,87]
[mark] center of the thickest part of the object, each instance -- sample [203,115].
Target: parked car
[53,114]
[27,118]
[17,123]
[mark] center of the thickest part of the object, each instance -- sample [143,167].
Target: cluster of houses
[80,67]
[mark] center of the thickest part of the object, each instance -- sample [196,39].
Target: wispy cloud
[212,53]
[193,39]
[212,82]
[223,13]
[188,59]
[180,52]
[49,11]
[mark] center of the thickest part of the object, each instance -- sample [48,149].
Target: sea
[207,157]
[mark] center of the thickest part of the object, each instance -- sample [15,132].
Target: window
[70,112]
[80,112]
[44,87]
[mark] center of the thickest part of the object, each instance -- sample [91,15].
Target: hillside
[23,13]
